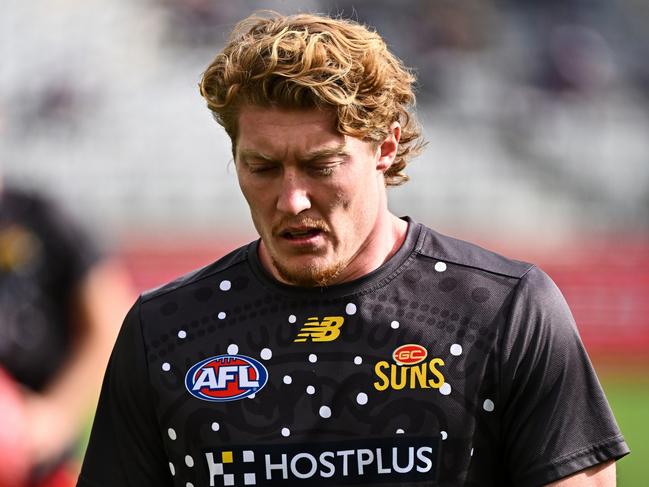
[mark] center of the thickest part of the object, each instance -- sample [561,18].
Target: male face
[317,197]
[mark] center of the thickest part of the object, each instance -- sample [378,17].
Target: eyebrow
[247,153]
[338,150]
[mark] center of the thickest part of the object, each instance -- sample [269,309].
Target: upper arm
[602,475]
[101,301]
[557,420]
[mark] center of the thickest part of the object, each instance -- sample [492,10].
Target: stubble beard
[310,275]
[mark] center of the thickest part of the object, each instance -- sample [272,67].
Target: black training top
[44,257]
[449,365]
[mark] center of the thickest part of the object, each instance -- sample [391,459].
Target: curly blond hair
[311,61]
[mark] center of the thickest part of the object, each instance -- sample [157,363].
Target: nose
[293,196]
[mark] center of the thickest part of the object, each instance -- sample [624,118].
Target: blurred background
[536,116]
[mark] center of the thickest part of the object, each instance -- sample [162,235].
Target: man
[346,346]
[61,302]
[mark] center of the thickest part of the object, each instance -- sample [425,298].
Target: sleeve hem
[611,449]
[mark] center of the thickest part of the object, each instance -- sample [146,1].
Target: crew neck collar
[374,279]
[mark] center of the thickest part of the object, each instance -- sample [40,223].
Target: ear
[388,148]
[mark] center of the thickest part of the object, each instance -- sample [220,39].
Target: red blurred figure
[13,449]
[61,303]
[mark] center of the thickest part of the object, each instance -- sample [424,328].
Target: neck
[384,241]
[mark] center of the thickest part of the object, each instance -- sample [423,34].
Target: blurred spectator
[61,303]
[196,23]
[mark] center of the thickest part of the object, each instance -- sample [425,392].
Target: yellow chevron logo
[315,330]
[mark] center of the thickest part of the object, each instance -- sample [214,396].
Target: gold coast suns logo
[315,330]
[411,370]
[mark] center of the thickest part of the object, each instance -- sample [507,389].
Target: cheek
[251,200]
[260,208]
[360,203]
[342,199]
[255,196]
[346,197]
[350,197]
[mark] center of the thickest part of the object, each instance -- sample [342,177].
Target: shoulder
[525,287]
[457,252]
[485,279]
[235,258]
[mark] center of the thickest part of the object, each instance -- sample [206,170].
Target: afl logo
[225,378]
[409,354]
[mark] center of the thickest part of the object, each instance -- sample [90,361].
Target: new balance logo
[326,330]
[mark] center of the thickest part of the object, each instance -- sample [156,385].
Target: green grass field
[628,395]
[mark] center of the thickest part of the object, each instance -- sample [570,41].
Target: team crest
[411,370]
[225,378]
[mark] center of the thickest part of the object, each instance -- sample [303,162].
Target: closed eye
[324,169]
[256,163]
[261,168]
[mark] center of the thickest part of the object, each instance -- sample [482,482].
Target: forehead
[281,129]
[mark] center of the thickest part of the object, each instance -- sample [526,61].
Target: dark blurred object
[58,107]
[580,46]
[43,258]
[577,59]
[199,22]
[425,34]
[61,303]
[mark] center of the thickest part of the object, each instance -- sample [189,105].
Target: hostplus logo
[367,462]
[315,330]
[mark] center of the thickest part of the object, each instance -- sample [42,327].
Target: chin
[311,274]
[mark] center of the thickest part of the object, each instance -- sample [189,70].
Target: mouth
[301,234]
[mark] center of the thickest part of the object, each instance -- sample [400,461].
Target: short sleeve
[126,448]
[557,420]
